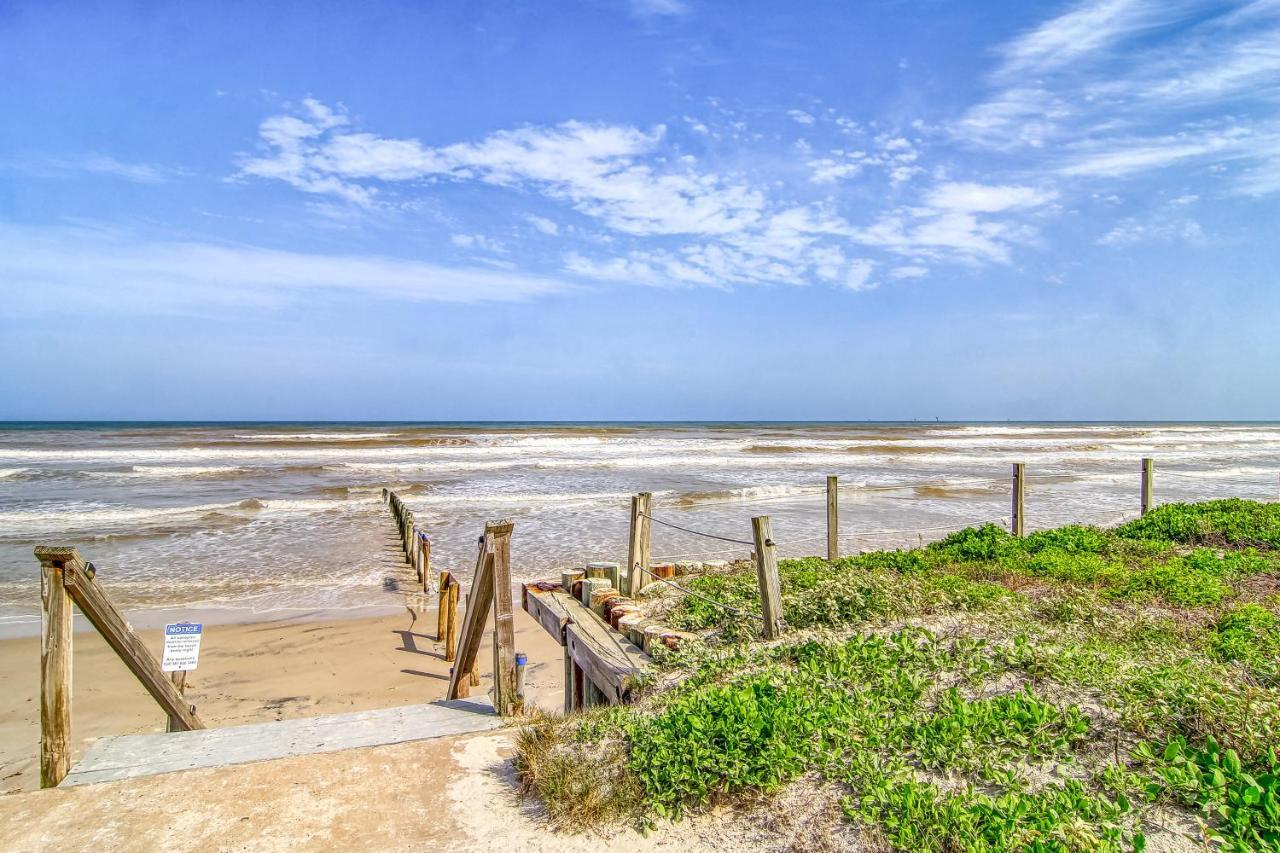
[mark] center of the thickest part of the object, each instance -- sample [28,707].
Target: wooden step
[129,756]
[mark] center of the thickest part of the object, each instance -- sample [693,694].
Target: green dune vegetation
[1075,689]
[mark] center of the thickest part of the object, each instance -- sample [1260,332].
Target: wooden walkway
[129,756]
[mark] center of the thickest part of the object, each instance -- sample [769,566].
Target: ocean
[263,520]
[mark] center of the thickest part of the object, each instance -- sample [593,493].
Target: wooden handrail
[66,580]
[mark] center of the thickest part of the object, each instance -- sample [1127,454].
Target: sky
[640,210]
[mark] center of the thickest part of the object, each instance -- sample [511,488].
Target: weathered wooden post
[442,610]
[639,543]
[504,634]
[767,576]
[833,518]
[1019,508]
[451,621]
[1148,484]
[55,670]
[179,680]
[424,573]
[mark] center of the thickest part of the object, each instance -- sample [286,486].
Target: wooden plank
[504,632]
[833,518]
[549,608]
[767,576]
[97,607]
[179,680]
[639,545]
[131,756]
[607,659]
[479,599]
[55,667]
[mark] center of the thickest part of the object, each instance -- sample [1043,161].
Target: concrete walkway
[130,756]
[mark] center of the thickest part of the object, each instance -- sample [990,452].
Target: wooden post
[1148,484]
[767,575]
[425,572]
[569,706]
[451,622]
[639,544]
[1019,508]
[55,674]
[478,601]
[833,518]
[179,680]
[504,635]
[442,610]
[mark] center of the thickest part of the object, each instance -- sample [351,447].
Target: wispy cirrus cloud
[76,268]
[1113,88]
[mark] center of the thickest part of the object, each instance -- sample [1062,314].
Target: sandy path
[253,673]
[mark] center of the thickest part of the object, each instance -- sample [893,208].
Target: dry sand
[254,673]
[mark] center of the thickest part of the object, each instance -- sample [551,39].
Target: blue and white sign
[181,646]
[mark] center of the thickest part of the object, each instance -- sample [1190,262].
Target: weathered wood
[1148,484]
[833,518]
[767,576]
[55,668]
[179,680]
[639,544]
[425,544]
[442,609]
[1018,520]
[504,632]
[93,602]
[451,622]
[479,600]
[549,608]
[608,660]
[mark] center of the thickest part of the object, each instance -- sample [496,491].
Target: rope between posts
[697,532]
[735,611]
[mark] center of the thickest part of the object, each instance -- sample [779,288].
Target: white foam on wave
[92,516]
[315,436]
[5,473]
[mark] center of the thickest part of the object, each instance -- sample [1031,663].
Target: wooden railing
[66,579]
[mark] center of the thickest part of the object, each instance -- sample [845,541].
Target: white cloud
[142,173]
[652,8]
[984,198]
[1129,232]
[859,277]
[908,272]
[64,268]
[544,225]
[801,117]
[477,241]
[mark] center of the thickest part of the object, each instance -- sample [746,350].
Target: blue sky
[656,209]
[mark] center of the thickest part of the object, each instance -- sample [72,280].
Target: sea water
[259,520]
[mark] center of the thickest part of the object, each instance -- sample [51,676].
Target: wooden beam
[833,518]
[451,621]
[479,600]
[767,576]
[549,607]
[55,667]
[606,659]
[639,545]
[498,534]
[93,602]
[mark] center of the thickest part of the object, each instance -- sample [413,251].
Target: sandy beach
[254,673]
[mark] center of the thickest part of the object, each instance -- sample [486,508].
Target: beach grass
[1074,689]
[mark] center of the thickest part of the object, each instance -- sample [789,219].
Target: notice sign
[181,647]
